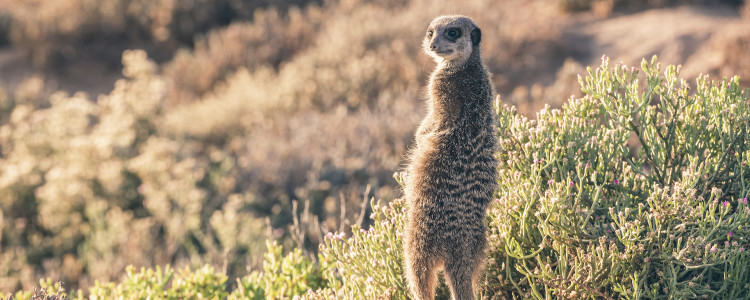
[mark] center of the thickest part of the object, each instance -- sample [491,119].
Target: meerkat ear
[476,36]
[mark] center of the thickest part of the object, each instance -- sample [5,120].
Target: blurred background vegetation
[193,149]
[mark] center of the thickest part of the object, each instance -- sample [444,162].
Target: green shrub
[631,191]
[635,190]
[110,182]
[203,283]
[47,291]
[282,276]
[368,264]
[90,186]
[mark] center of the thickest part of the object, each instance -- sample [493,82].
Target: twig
[588,289]
[363,207]
[342,218]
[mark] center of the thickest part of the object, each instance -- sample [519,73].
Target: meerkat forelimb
[452,171]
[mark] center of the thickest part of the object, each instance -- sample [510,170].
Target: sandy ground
[682,35]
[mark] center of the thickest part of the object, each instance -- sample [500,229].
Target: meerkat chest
[454,147]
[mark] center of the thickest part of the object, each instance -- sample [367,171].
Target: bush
[47,291]
[203,283]
[88,188]
[163,284]
[631,191]
[282,277]
[583,5]
[51,31]
[368,264]
[270,39]
[245,141]
[354,76]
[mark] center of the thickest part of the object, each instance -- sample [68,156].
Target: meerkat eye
[429,33]
[453,33]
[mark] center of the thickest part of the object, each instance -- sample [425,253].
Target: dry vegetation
[55,31]
[197,158]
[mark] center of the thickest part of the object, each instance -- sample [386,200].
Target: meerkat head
[450,40]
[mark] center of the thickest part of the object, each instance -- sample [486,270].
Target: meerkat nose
[433,46]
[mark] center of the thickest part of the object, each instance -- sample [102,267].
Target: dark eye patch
[429,33]
[452,34]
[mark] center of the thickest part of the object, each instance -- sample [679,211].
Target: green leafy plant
[367,265]
[47,291]
[182,162]
[282,277]
[636,190]
[203,283]
[633,191]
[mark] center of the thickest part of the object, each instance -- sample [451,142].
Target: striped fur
[452,171]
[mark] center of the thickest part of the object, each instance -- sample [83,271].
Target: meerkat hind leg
[459,276]
[421,272]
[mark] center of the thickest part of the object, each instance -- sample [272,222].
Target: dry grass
[197,160]
[53,32]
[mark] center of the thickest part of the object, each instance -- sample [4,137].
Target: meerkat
[451,176]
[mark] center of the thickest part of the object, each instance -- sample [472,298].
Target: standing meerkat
[452,171]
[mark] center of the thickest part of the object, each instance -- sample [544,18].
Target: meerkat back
[452,171]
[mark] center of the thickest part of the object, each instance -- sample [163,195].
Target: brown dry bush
[182,163]
[89,187]
[603,8]
[266,41]
[339,114]
[53,31]
[355,56]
